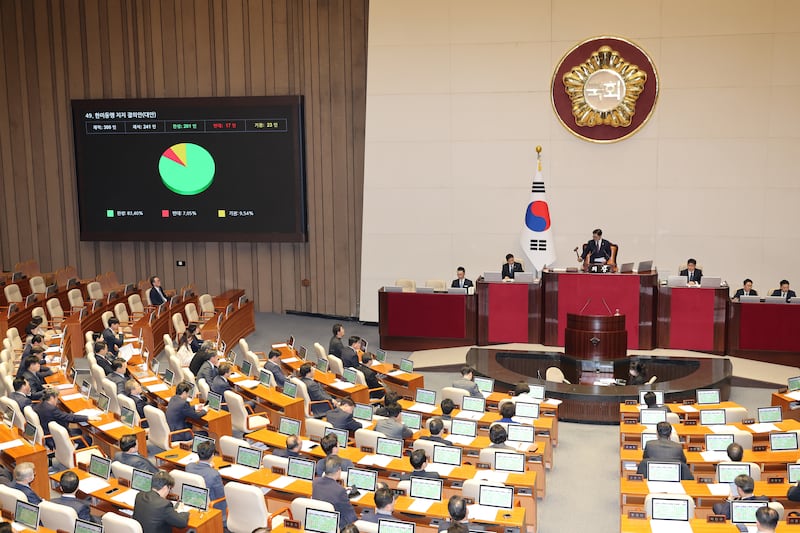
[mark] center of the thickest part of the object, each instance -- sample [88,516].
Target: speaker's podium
[599,338]
[509,311]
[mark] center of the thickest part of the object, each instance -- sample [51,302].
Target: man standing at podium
[511,267]
[692,273]
[598,249]
[461,282]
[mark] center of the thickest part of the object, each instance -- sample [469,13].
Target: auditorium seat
[315,429]
[299,506]
[555,374]
[367,438]
[57,517]
[94,290]
[13,294]
[455,394]
[247,509]
[38,286]
[436,284]
[408,285]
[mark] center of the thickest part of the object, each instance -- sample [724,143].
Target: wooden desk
[153,332]
[785,402]
[699,525]
[238,325]
[772,464]
[692,318]
[357,393]
[696,434]
[25,453]
[764,332]
[686,412]
[509,312]
[275,403]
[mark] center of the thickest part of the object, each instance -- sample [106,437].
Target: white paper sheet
[89,412]
[670,526]
[469,415]
[128,497]
[290,360]
[461,439]
[763,428]
[483,513]
[92,484]
[307,445]
[191,458]
[442,470]
[62,386]
[422,407]
[420,505]
[158,387]
[669,487]
[11,444]
[552,401]
[719,489]
[282,482]
[247,383]
[236,471]
[148,379]
[687,408]
[342,385]
[396,373]
[714,457]
[497,476]
[70,397]
[723,428]
[111,425]
[794,395]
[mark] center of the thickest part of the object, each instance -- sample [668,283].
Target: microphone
[538,374]
[585,305]
[607,307]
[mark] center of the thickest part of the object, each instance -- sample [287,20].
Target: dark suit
[157,296]
[36,382]
[319,470]
[198,360]
[328,490]
[457,284]
[740,292]
[21,399]
[277,373]
[508,272]
[156,514]
[372,382]
[113,341]
[136,461]
[789,294]
[283,452]
[51,413]
[664,450]
[447,523]
[349,357]
[437,438]
[724,508]
[335,346]
[697,275]
[220,385]
[82,507]
[342,420]
[392,428]
[178,410]
[315,394]
[375,517]
[213,483]
[140,402]
[104,363]
[468,385]
[421,473]
[28,492]
[119,380]
[793,493]
[595,251]
[208,372]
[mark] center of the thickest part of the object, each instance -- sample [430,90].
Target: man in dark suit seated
[315,392]
[766,519]
[49,411]
[745,485]
[330,445]
[157,294]
[113,337]
[179,409]
[598,249]
[498,437]
[69,486]
[664,450]
[342,416]
[22,393]
[418,462]
[129,455]
[118,369]
[384,507]
[101,355]
[784,291]
[692,273]
[205,469]
[273,365]
[461,282]
[208,370]
[392,426]
[327,489]
[133,390]
[31,375]
[293,446]
[746,290]
[154,511]
[436,426]
[371,377]
[23,476]
[466,382]
[457,509]
[335,345]
[349,353]
[510,267]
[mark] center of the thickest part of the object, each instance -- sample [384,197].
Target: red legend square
[165,213]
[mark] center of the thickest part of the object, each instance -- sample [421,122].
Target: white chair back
[335,365]
[229,446]
[120,524]
[38,286]
[315,429]
[367,438]
[94,290]
[57,517]
[299,506]
[9,497]
[122,471]
[247,510]
[159,429]
[65,450]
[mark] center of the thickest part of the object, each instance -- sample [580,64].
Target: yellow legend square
[220,213]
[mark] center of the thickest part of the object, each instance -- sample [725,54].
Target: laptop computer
[707,396]
[652,416]
[426,488]
[677,281]
[783,441]
[411,420]
[464,428]
[362,479]
[425,396]
[363,412]
[712,417]
[749,299]
[290,389]
[249,457]
[199,439]
[711,282]
[770,414]
[289,426]
[141,480]
[520,433]
[727,472]
[449,455]
[718,442]
[300,468]
[194,497]
[475,405]
[99,466]
[645,266]
[744,512]
[485,385]
[82,526]
[669,509]
[390,447]
[425,290]
[319,521]
[492,276]
[407,365]
[492,496]
[523,277]
[214,401]
[341,436]
[663,471]
[526,409]
[27,514]
[509,462]
[395,526]
[774,300]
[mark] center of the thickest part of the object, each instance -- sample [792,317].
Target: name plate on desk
[596,268]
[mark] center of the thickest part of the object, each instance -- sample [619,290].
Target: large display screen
[194,169]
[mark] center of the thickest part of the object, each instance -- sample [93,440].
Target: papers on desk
[460,439]
[396,373]
[148,379]
[523,446]
[129,340]
[89,412]
[127,351]
[190,458]
[235,375]
[604,382]
[497,476]
[236,471]
[289,360]
[422,407]
[11,444]
[763,428]
[794,395]
[670,487]
[282,482]
[92,484]
[377,460]
[307,445]
[485,394]
[442,470]
[687,408]
[484,513]
[469,415]
[55,360]
[420,505]
[714,457]
[158,387]
[342,385]
[62,386]
[528,421]
[670,526]
[723,428]
[248,383]
[128,497]
[53,349]
[552,401]
[719,489]
[111,425]
[70,397]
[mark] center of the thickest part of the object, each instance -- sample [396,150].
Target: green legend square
[109,213]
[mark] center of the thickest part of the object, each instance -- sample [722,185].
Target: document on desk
[719,489]
[552,401]
[91,484]
[396,373]
[191,458]
[442,470]
[247,383]
[236,471]
[148,379]
[53,349]
[422,407]
[235,375]
[670,526]
[158,387]
[723,428]
[111,425]
[377,460]
[290,360]
[469,415]
[460,439]
[763,428]
[342,385]
[89,412]
[70,397]
[62,386]
[687,408]
[307,445]
[497,476]
[794,395]
[128,497]
[526,420]
[484,513]
[11,444]
[714,457]
[420,505]
[670,487]
[281,482]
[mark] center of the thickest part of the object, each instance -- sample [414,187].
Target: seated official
[220,384]
[191,339]
[384,507]
[457,509]
[498,437]
[342,416]
[735,452]
[330,445]
[350,352]
[692,273]
[23,476]
[154,511]
[650,400]
[418,462]
[461,282]
[208,370]
[508,410]
[436,426]
[179,409]
[371,377]
[207,349]
[273,365]
[22,393]
[637,373]
[746,290]
[467,382]
[510,267]
[393,426]
[327,488]
[315,391]
[766,519]
[664,449]
[103,357]
[784,291]
[157,294]
[118,370]
[36,345]
[205,469]
[335,345]
[134,391]
[34,327]
[31,366]
[69,487]
[129,455]
[745,485]
[447,405]
[49,411]
[113,337]
[597,249]
[293,446]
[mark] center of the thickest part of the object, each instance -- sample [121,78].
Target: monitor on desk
[456,290]
[214,401]
[647,437]
[390,447]
[707,396]
[300,468]
[524,277]
[669,509]
[362,479]
[448,455]
[322,365]
[228,310]
[659,396]
[490,277]
[407,365]
[264,377]
[102,402]
[8,416]
[626,268]
[237,359]
[779,442]
[424,290]
[652,416]
[426,488]
[395,526]
[362,411]
[749,299]
[349,375]
[425,396]
[99,466]
[302,352]
[141,480]
[485,385]
[464,428]
[645,266]
[536,391]
[169,377]
[744,512]
[30,433]
[768,415]
[492,496]
[341,436]
[82,526]
[86,389]
[793,472]
[712,417]
[194,497]
[27,514]
[411,420]
[677,281]
[247,368]
[520,433]
[289,426]
[660,471]
[475,405]
[718,442]
[526,409]
[774,300]
[711,282]
[793,384]
[290,389]
[127,416]
[199,439]
[318,521]
[727,472]
[380,355]
[249,457]
[509,462]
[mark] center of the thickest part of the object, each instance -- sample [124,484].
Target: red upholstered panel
[618,291]
[427,315]
[691,320]
[769,327]
[508,312]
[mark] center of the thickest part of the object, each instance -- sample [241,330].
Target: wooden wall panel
[57,50]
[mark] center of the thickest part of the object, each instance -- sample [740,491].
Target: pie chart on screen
[186,168]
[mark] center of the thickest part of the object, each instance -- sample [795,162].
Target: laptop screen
[322,365]
[289,426]
[793,384]
[99,466]
[82,526]
[302,352]
[362,479]
[362,411]
[349,375]
[391,447]
[246,367]
[321,521]
[663,471]
[127,416]
[496,496]
[412,420]
[141,480]
[265,378]
[426,396]
[237,359]
[727,472]
[196,497]
[406,365]
[509,462]
[770,414]
[30,433]
[477,405]
[86,389]
[466,428]
[102,402]
[659,396]
[169,377]
[718,442]
[712,417]
[27,514]
[214,401]
[429,489]
[652,416]
[669,509]
[249,457]
[793,472]
[395,526]
[8,416]
[485,385]
[783,441]
[290,389]
[744,512]
[448,455]
[520,433]
[707,396]
[300,468]
[198,439]
[380,355]
[536,391]
[341,436]
[526,409]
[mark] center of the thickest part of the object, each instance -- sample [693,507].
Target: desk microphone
[538,374]
[585,305]
[607,307]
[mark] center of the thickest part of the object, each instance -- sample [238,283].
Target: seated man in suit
[101,355]
[134,391]
[735,452]
[745,485]
[118,369]
[220,382]
[746,290]
[371,377]
[457,509]
[766,519]
[461,282]
[330,445]
[447,405]
[69,486]
[692,273]
[273,364]
[23,476]
[315,391]
[510,267]
[157,294]
[113,337]
[598,249]
[498,437]
[384,507]
[31,375]
[208,370]
[436,426]
[205,469]
[335,345]
[350,352]
[179,409]
[22,393]
[466,382]
[342,416]
[418,462]
[129,455]
[154,511]
[327,488]
[784,291]
[293,446]
[392,426]
[664,450]
[49,411]
[508,410]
